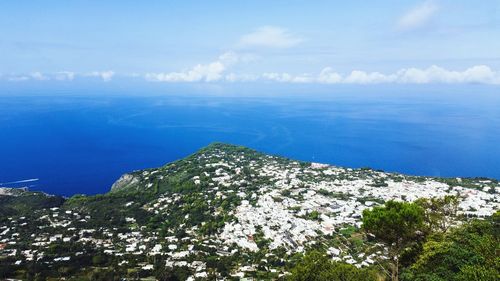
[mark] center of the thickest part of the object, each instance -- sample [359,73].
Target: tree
[314,215]
[439,212]
[98,259]
[316,266]
[397,224]
[468,252]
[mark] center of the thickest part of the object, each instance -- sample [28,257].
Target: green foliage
[286,193]
[397,224]
[348,230]
[468,252]
[379,183]
[169,274]
[259,239]
[418,236]
[26,203]
[314,215]
[98,259]
[324,192]
[478,273]
[439,212]
[476,183]
[108,209]
[316,266]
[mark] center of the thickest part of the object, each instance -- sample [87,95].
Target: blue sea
[82,142]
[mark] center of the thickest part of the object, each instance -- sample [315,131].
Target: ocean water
[82,143]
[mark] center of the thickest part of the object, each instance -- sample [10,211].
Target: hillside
[224,211]
[20,201]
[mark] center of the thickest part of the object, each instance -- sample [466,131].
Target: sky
[206,42]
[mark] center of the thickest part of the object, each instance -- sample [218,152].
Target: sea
[80,142]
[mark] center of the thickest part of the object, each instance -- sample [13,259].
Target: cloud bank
[219,71]
[104,75]
[58,76]
[215,72]
[480,74]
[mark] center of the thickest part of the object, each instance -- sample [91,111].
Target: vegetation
[466,252]
[185,206]
[440,213]
[316,266]
[26,202]
[398,225]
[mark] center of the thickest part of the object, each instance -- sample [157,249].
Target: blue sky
[329,42]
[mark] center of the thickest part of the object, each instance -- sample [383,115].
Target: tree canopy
[468,252]
[316,266]
[397,224]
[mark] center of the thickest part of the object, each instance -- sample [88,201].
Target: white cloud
[279,77]
[215,71]
[104,75]
[231,58]
[435,74]
[481,74]
[39,76]
[361,77]
[201,72]
[59,76]
[18,78]
[327,75]
[304,78]
[266,36]
[64,76]
[237,77]
[418,16]
[210,72]
[269,37]
[286,77]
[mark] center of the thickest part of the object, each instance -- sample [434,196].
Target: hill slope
[20,201]
[223,211]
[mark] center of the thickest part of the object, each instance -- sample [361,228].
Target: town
[223,212]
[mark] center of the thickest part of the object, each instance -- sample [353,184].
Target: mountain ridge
[127,179]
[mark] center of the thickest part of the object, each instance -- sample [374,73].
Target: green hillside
[231,212]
